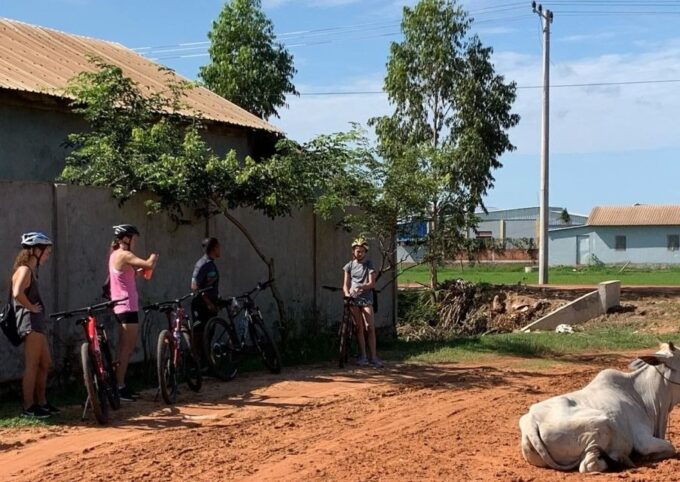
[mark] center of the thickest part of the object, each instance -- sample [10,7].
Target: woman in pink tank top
[124,267]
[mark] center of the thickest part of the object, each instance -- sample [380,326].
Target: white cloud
[308,116]
[583,119]
[587,37]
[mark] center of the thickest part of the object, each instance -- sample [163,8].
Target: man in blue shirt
[205,275]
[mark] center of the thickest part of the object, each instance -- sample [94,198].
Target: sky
[609,144]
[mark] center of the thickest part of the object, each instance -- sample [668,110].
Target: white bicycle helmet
[125,230]
[35,238]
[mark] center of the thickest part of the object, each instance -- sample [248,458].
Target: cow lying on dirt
[614,416]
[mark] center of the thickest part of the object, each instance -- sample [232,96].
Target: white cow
[615,415]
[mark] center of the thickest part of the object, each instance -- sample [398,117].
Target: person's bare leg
[126,345]
[32,352]
[369,319]
[43,370]
[359,322]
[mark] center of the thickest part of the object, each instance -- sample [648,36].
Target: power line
[585,84]
[340,29]
[333,40]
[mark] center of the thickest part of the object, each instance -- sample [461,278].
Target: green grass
[514,273]
[529,345]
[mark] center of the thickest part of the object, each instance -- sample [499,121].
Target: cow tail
[531,436]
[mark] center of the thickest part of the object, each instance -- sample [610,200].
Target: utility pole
[546,17]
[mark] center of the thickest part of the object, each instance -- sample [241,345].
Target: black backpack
[8,322]
[106,289]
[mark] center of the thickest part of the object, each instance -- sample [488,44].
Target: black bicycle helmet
[123,230]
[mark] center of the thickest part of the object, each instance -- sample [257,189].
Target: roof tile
[637,215]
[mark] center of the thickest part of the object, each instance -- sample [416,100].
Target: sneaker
[35,411]
[377,363]
[127,395]
[362,361]
[48,407]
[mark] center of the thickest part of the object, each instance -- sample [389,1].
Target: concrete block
[582,309]
[610,294]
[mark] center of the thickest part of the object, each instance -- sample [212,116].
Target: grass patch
[527,345]
[514,274]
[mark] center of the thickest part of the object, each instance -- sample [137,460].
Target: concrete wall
[33,132]
[644,244]
[308,254]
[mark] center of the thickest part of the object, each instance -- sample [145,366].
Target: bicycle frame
[245,304]
[95,335]
[92,335]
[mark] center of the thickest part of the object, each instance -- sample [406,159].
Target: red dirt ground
[406,422]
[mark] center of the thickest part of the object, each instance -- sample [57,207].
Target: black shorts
[128,318]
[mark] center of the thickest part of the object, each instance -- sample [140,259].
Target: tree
[565,217]
[247,66]
[450,122]
[139,142]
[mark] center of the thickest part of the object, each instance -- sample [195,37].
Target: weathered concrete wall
[308,253]
[32,137]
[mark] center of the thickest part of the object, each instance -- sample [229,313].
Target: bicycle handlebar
[335,288]
[261,286]
[160,304]
[87,309]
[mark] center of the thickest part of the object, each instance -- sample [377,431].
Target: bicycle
[347,326]
[174,353]
[95,356]
[223,346]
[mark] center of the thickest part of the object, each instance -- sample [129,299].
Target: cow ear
[671,346]
[651,359]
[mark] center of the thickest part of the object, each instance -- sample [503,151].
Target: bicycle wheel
[167,376]
[97,396]
[192,367]
[264,343]
[344,335]
[219,349]
[111,385]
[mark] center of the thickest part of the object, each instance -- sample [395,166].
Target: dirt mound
[407,422]
[467,308]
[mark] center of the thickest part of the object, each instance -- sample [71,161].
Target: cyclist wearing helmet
[31,323]
[205,275]
[123,267]
[359,282]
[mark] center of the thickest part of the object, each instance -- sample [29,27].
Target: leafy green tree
[449,125]
[131,147]
[247,66]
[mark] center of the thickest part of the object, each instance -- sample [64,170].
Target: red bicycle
[95,355]
[175,357]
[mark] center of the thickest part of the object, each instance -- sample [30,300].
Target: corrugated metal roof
[42,60]
[638,215]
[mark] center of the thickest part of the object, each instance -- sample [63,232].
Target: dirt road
[407,422]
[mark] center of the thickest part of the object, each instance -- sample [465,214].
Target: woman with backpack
[124,266]
[31,323]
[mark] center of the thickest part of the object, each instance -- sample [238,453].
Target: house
[639,234]
[36,64]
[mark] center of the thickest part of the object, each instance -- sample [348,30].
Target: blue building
[639,234]
[521,222]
